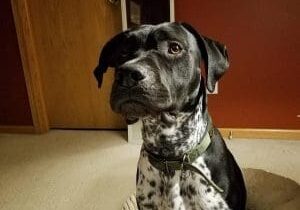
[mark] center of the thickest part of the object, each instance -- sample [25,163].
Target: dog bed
[266,191]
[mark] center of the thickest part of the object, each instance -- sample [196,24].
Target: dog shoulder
[225,171]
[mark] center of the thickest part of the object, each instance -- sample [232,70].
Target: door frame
[30,65]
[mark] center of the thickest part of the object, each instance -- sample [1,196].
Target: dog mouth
[136,108]
[130,108]
[138,102]
[133,108]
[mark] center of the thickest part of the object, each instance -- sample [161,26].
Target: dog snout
[129,77]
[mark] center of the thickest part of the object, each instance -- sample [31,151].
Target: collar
[185,163]
[191,156]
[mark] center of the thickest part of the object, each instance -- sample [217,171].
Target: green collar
[185,163]
[199,149]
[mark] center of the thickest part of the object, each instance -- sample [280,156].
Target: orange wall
[14,103]
[262,86]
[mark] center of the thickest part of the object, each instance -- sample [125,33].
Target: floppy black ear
[108,56]
[215,57]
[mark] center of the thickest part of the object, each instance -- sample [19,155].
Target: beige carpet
[75,170]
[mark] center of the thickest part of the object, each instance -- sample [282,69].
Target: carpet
[92,170]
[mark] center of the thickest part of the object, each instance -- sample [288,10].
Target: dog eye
[174,48]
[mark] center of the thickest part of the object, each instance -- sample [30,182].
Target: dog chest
[179,191]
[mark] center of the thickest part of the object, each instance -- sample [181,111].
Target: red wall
[262,86]
[14,103]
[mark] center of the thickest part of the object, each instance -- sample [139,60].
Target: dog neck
[173,135]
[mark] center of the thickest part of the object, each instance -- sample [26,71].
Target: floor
[75,170]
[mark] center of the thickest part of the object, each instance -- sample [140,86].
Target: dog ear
[109,56]
[215,57]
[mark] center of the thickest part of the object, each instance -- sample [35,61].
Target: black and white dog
[184,162]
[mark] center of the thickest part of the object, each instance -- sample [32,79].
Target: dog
[184,163]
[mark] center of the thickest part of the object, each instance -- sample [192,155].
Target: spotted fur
[178,190]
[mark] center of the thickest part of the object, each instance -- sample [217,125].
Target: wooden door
[68,35]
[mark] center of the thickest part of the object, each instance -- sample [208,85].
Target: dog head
[157,68]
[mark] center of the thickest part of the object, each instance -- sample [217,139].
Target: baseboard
[135,137]
[16,129]
[230,133]
[282,134]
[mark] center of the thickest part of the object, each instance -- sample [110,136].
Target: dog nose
[128,77]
